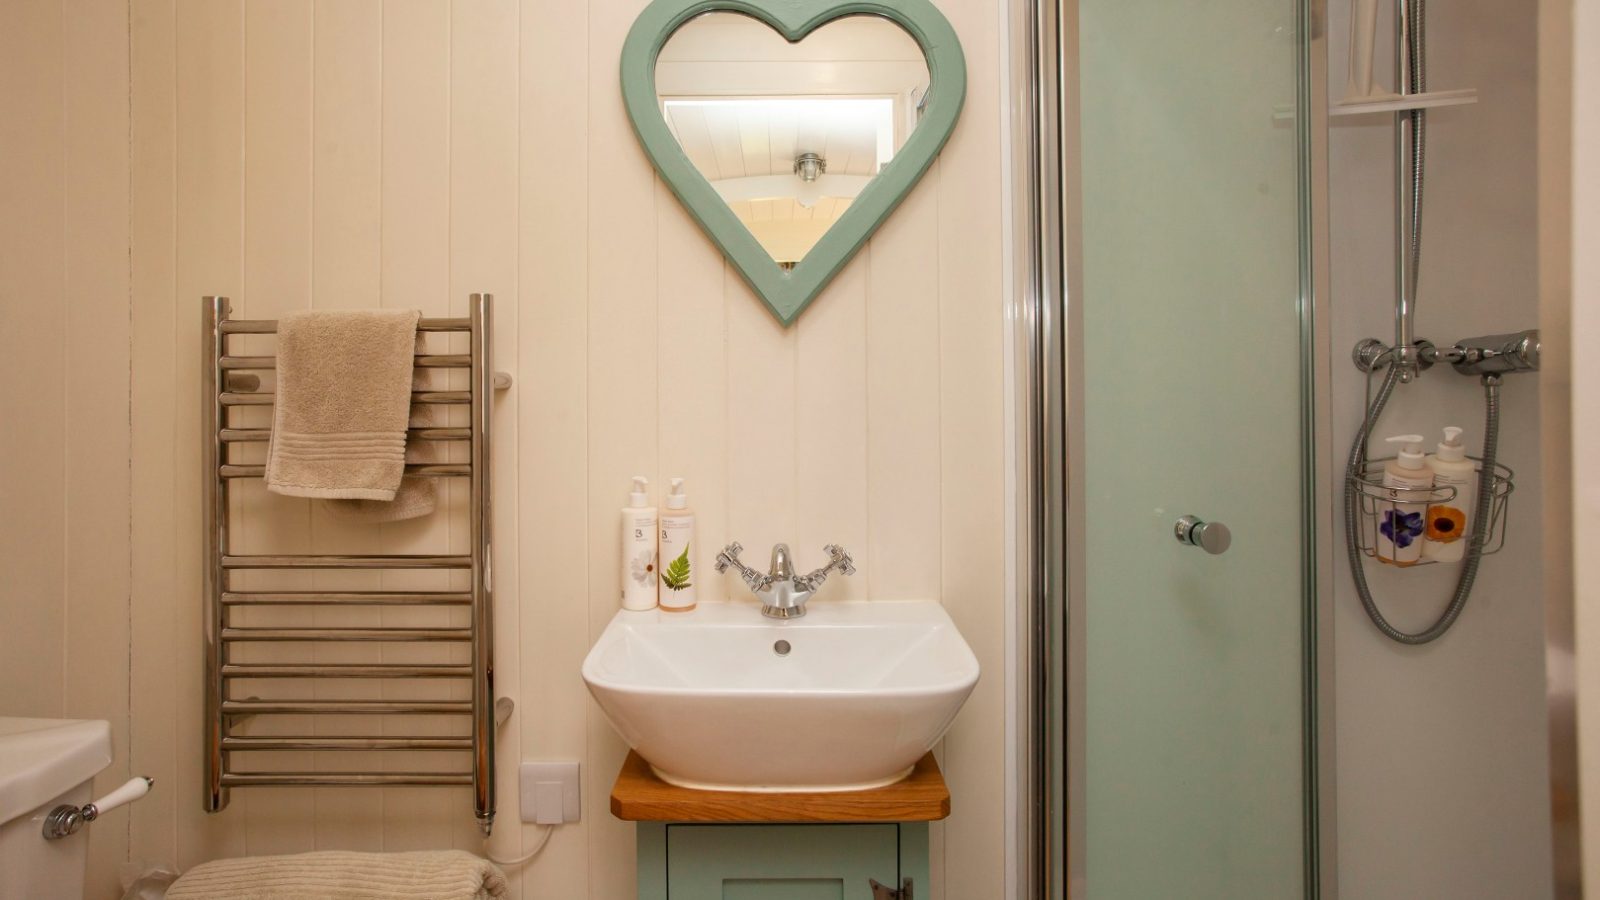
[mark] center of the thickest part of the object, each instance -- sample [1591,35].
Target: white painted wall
[1442,749]
[407,152]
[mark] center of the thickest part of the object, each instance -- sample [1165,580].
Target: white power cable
[544,838]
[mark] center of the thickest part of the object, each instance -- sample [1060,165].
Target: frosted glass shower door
[1193,709]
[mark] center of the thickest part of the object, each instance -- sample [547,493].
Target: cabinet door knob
[1212,537]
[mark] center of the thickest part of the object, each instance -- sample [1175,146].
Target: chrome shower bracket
[1489,354]
[1369,353]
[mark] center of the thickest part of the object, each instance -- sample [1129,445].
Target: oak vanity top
[640,796]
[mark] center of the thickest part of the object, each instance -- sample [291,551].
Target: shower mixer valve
[1489,354]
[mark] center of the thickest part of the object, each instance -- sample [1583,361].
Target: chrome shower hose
[1480,525]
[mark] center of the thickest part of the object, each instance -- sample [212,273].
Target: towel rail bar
[255,743]
[433,469]
[435,398]
[346,634]
[347,562]
[248,435]
[346,707]
[422,361]
[221,390]
[346,670]
[345,598]
[270,326]
[314,779]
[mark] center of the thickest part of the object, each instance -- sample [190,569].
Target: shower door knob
[1212,537]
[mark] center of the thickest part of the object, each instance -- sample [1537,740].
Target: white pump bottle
[639,563]
[1401,519]
[1450,521]
[677,551]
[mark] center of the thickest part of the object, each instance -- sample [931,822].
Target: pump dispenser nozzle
[1451,448]
[640,497]
[1410,450]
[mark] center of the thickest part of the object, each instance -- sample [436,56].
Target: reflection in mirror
[789,134]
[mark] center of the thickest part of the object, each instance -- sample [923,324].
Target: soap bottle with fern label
[677,545]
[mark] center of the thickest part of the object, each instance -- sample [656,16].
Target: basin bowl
[852,697]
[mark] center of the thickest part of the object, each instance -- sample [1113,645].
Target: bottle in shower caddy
[1401,512]
[639,548]
[1450,521]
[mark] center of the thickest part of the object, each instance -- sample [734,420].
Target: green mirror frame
[788,293]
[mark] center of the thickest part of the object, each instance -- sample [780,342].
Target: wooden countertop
[640,796]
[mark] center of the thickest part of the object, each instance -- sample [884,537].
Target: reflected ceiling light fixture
[810,167]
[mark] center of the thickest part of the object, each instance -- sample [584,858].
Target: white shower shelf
[1388,103]
[1396,103]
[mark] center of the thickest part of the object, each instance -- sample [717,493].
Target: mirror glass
[789,134]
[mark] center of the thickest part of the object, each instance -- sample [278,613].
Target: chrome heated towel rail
[224,712]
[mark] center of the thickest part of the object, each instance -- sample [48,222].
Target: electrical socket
[550,792]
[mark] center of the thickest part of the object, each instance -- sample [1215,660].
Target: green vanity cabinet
[700,861]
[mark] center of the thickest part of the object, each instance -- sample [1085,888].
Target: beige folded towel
[343,397]
[344,875]
[418,495]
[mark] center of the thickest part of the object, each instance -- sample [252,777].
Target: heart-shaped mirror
[791,128]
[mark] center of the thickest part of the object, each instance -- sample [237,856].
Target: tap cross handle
[838,561]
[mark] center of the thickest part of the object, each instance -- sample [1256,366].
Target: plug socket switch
[549,792]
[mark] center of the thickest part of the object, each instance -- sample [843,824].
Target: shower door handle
[1212,537]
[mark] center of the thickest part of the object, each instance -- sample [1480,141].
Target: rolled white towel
[344,875]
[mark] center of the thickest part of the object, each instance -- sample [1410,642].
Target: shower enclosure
[1186,519]
[1167,378]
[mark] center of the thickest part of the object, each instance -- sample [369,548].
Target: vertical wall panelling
[554,528]
[278,235]
[484,227]
[346,248]
[155,697]
[33,338]
[210,177]
[692,406]
[972,557]
[415,274]
[407,153]
[762,501]
[830,409]
[623,389]
[95,375]
[902,396]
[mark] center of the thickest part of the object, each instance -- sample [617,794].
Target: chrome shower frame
[1045,766]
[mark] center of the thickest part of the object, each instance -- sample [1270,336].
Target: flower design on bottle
[1401,527]
[1445,524]
[642,568]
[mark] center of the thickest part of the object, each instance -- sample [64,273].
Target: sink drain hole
[781,648]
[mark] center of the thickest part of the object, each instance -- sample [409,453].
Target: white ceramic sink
[864,690]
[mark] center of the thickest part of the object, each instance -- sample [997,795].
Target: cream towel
[343,397]
[417,496]
[344,875]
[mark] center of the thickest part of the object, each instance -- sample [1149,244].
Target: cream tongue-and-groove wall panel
[64,374]
[295,154]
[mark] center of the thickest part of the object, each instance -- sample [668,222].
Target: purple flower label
[1401,527]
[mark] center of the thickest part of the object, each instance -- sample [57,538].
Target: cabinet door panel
[780,862]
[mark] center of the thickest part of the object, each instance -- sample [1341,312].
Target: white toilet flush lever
[66,819]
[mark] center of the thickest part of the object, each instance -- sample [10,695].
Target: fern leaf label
[677,570]
[676,576]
